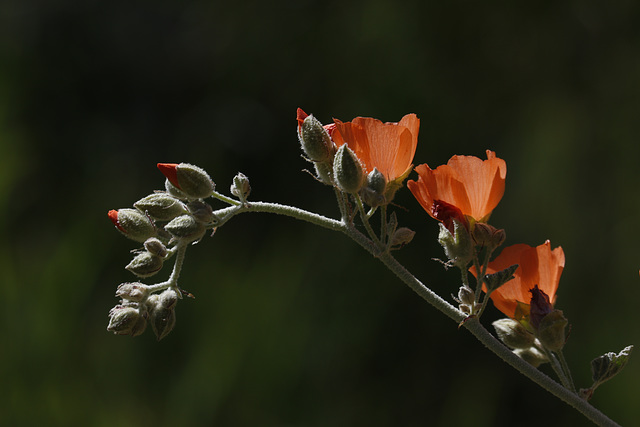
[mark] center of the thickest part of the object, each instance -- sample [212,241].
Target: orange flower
[539,266]
[466,187]
[389,147]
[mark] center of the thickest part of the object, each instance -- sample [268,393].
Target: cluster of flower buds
[163,221]
[138,307]
[166,217]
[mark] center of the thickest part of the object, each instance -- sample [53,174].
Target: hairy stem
[471,324]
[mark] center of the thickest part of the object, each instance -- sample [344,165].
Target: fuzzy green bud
[168,298]
[156,247]
[161,206]
[191,180]
[488,236]
[373,191]
[126,320]
[202,212]
[241,187]
[324,172]
[174,191]
[513,334]
[315,141]
[162,320]
[185,227]
[145,264]
[551,330]
[348,173]
[466,300]
[134,291]
[133,224]
[457,245]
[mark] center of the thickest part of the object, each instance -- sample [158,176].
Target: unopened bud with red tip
[161,206]
[185,227]
[126,320]
[134,291]
[314,138]
[191,180]
[145,264]
[133,224]
[348,173]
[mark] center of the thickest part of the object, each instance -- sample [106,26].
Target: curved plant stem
[172,281]
[471,324]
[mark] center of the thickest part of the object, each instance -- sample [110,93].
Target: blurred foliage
[292,325]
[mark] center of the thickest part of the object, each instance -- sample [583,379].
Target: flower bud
[145,264]
[162,321]
[133,224]
[324,172]
[551,331]
[156,247]
[185,227]
[486,235]
[540,306]
[513,334]
[466,300]
[174,191]
[457,245]
[347,170]
[161,206]
[126,320]
[202,212]
[168,298]
[373,191]
[191,180]
[314,139]
[134,291]
[531,355]
[240,187]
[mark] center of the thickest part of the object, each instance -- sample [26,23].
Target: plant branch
[471,324]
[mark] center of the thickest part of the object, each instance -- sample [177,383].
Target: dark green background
[295,325]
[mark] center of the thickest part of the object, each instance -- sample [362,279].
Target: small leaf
[608,365]
[495,280]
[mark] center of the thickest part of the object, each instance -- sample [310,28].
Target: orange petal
[389,147]
[537,266]
[472,185]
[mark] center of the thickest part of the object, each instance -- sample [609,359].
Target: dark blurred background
[293,325]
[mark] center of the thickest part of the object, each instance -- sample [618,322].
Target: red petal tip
[170,171]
